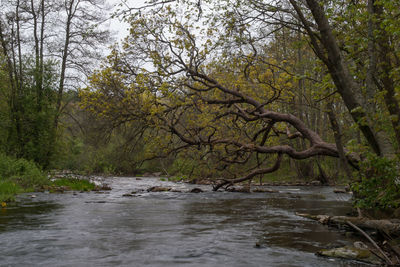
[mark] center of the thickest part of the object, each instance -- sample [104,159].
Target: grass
[8,190]
[74,184]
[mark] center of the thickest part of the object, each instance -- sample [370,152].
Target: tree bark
[338,139]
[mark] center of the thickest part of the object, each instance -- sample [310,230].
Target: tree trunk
[337,133]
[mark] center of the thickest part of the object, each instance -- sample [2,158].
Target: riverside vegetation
[22,176]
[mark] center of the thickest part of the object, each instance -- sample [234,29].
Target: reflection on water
[170,229]
[26,215]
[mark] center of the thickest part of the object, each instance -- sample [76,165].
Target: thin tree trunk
[70,14]
[337,133]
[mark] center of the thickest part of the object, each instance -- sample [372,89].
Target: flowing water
[171,228]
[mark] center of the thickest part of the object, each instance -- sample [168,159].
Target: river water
[171,228]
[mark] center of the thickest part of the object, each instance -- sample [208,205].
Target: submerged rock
[339,191]
[352,253]
[315,183]
[244,189]
[105,187]
[176,191]
[158,189]
[196,190]
[264,190]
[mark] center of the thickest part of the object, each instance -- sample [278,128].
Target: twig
[370,240]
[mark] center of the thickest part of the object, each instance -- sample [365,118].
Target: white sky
[119,28]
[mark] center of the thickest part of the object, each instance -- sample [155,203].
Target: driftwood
[390,228]
[386,258]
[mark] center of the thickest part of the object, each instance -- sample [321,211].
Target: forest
[231,91]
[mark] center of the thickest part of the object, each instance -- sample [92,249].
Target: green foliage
[379,186]
[27,121]
[22,172]
[8,190]
[19,175]
[74,184]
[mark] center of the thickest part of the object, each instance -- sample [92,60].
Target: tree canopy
[242,81]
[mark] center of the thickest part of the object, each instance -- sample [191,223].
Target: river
[171,228]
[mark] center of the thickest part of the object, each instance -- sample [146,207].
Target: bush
[379,184]
[19,175]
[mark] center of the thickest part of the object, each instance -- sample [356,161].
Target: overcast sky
[118,27]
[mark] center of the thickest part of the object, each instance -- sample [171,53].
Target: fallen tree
[388,227]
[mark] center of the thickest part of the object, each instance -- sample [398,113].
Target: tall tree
[48,47]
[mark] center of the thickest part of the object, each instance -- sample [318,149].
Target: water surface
[171,228]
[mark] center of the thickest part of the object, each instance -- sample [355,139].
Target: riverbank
[21,176]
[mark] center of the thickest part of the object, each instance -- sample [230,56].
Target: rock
[159,189]
[127,195]
[352,253]
[176,191]
[244,189]
[157,174]
[339,191]
[315,183]
[264,190]
[33,196]
[138,179]
[196,190]
[204,182]
[105,187]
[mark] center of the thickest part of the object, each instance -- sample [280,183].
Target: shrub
[22,172]
[379,184]
[18,175]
